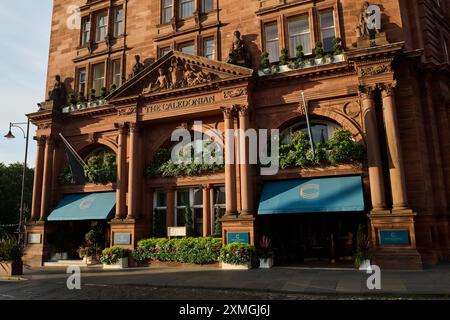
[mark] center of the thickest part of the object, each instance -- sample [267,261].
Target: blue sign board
[394,237]
[238,237]
[122,238]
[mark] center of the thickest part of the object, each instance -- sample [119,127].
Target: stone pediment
[177,71]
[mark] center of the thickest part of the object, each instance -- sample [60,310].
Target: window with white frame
[101,29]
[85,31]
[116,69]
[271,37]
[208,5]
[187,8]
[98,78]
[299,34]
[167,11]
[81,81]
[188,48]
[209,48]
[118,22]
[327,30]
[194,198]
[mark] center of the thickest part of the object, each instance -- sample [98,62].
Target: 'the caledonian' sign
[180,104]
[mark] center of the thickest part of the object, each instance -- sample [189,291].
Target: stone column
[396,170]
[376,179]
[133,187]
[37,184]
[170,211]
[230,169]
[244,165]
[206,211]
[47,177]
[121,189]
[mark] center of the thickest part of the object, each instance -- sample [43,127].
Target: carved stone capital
[40,141]
[228,112]
[134,127]
[366,92]
[243,110]
[121,127]
[387,89]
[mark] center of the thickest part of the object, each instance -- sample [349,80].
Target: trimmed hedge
[237,253]
[187,250]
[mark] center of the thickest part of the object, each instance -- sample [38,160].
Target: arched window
[322,130]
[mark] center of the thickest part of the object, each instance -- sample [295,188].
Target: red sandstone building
[389,88]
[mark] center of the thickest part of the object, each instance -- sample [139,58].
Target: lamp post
[10,136]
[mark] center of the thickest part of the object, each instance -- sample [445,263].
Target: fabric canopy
[337,194]
[85,206]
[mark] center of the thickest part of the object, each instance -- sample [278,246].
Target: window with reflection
[271,35]
[299,34]
[322,131]
[187,8]
[328,30]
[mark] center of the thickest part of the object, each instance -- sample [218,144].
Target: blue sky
[24,42]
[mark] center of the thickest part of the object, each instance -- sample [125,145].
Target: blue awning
[85,206]
[337,194]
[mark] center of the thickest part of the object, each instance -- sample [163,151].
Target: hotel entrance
[312,221]
[318,239]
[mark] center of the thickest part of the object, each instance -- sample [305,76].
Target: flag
[76,164]
[311,141]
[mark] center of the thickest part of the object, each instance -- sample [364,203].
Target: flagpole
[305,105]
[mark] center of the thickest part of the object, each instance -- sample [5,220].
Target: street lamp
[26,135]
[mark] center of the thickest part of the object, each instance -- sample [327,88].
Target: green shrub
[363,250]
[343,149]
[113,254]
[186,250]
[10,249]
[237,253]
[265,63]
[284,57]
[218,222]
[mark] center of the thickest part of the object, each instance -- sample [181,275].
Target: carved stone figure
[59,94]
[195,77]
[238,54]
[138,66]
[176,73]
[363,29]
[162,81]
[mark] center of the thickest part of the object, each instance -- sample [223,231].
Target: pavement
[202,282]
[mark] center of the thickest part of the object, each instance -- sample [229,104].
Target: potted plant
[318,53]
[300,56]
[337,50]
[265,253]
[237,256]
[115,258]
[91,250]
[10,257]
[362,256]
[284,60]
[265,64]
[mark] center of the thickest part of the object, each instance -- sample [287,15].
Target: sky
[24,44]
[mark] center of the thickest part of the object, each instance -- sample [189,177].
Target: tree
[10,192]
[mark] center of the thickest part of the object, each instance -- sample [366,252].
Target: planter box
[91,261]
[9,269]
[266,263]
[228,266]
[285,68]
[59,256]
[264,72]
[121,264]
[366,265]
